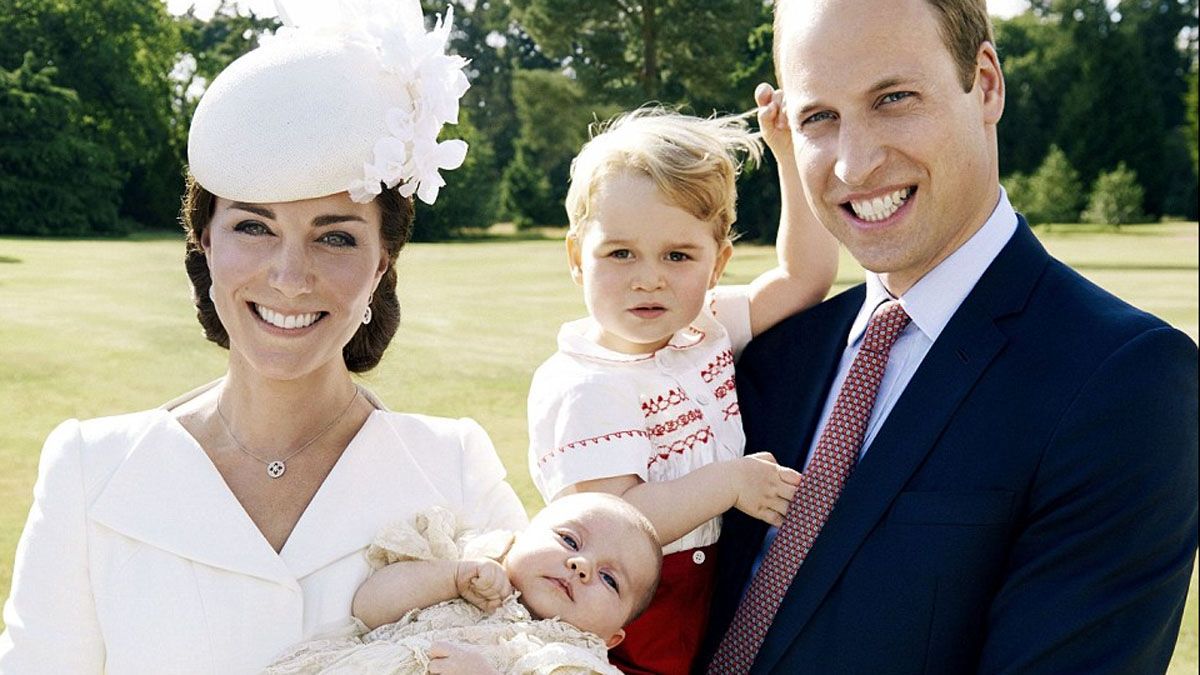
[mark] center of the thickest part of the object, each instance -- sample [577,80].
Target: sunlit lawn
[92,328]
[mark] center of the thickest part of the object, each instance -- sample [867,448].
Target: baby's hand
[483,583]
[772,120]
[764,488]
[451,659]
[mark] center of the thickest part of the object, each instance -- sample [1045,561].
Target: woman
[207,535]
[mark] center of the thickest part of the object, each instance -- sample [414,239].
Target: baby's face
[589,565]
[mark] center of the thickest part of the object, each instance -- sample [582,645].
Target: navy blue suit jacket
[1028,506]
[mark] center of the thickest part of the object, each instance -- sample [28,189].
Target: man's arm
[1099,572]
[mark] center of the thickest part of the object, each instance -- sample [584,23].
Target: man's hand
[483,583]
[764,489]
[451,659]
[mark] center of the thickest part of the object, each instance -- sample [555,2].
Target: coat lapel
[359,497]
[944,379]
[167,493]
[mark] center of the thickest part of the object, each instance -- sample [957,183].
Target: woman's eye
[610,580]
[676,256]
[338,239]
[251,227]
[621,254]
[569,541]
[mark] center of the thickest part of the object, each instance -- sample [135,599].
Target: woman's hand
[451,659]
[764,489]
[483,583]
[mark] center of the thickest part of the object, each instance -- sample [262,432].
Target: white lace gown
[509,638]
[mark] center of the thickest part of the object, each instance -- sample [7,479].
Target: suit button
[698,557]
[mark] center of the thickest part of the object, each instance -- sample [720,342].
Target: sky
[204,8]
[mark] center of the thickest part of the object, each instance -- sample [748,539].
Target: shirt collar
[575,338]
[936,296]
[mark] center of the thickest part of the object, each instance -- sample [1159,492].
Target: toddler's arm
[754,484]
[391,592]
[807,252]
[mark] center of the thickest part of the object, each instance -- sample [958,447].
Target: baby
[552,598]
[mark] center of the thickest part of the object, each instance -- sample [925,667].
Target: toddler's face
[644,264]
[589,566]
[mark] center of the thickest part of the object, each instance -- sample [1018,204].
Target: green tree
[554,114]
[1119,96]
[1055,193]
[631,52]
[54,180]
[1192,103]
[497,46]
[469,197]
[1116,198]
[117,56]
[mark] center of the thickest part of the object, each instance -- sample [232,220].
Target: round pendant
[275,469]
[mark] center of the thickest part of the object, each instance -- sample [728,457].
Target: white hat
[341,106]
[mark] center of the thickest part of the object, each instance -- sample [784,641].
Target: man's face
[896,160]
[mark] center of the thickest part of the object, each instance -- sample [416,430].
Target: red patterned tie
[821,485]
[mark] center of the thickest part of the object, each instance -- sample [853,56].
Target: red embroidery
[676,424]
[682,445]
[653,406]
[727,387]
[732,410]
[714,369]
[595,440]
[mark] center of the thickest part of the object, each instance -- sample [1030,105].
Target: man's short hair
[963,24]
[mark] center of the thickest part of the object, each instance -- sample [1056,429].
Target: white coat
[137,558]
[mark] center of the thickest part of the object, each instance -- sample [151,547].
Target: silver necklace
[276,468]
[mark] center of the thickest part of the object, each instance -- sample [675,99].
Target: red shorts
[665,638]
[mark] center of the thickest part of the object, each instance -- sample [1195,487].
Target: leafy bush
[1116,198]
[1054,193]
[54,180]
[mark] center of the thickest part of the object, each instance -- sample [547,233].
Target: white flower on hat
[410,157]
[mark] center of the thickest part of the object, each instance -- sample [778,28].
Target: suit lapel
[965,349]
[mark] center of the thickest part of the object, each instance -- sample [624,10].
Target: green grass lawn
[92,328]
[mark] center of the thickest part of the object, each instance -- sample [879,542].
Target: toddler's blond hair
[693,161]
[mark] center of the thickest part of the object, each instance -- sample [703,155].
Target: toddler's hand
[483,583]
[772,120]
[451,659]
[764,488]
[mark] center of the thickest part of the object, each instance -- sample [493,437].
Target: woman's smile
[290,322]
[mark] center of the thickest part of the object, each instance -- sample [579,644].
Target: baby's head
[651,204]
[590,559]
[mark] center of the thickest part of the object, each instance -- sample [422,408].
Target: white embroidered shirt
[595,413]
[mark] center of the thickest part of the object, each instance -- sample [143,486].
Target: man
[1000,458]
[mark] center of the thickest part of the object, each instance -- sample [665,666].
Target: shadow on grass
[9,259]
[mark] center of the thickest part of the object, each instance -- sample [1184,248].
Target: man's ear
[575,258]
[617,638]
[723,256]
[990,81]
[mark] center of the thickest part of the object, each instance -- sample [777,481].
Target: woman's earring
[367,316]
[211,298]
